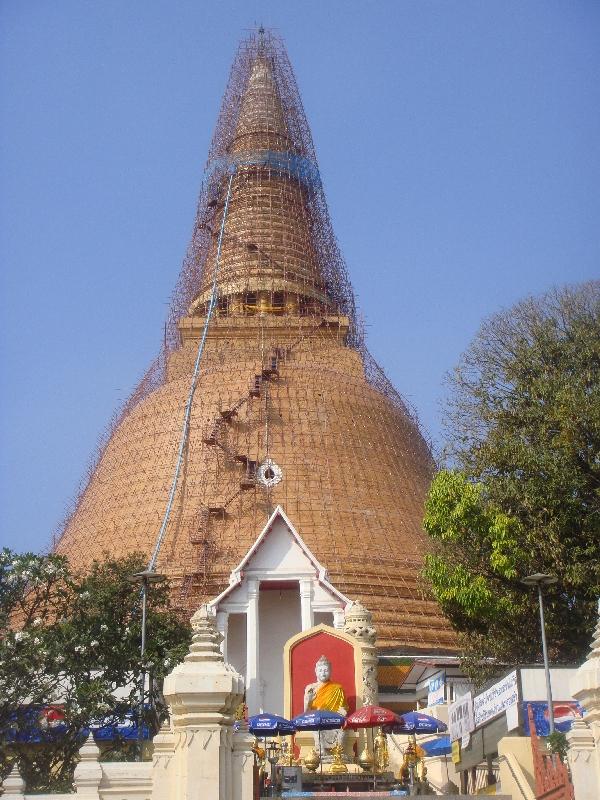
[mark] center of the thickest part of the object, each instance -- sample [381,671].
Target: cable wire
[188,408]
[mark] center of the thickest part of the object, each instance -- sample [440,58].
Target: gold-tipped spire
[261,124]
[268,261]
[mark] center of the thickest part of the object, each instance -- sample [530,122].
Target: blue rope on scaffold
[188,408]
[299,167]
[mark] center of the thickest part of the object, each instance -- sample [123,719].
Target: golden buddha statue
[324,694]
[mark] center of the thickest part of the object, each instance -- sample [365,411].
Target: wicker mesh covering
[285,375]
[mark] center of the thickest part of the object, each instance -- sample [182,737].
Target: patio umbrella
[372,717]
[438,747]
[415,722]
[269,724]
[318,721]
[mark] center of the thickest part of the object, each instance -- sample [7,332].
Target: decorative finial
[206,638]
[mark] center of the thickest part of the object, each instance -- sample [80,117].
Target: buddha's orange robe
[329,697]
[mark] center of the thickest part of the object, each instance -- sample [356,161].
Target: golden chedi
[289,408]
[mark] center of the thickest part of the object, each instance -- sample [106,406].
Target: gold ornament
[337,765]
[365,759]
[382,758]
[258,752]
[312,761]
[283,757]
[286,759]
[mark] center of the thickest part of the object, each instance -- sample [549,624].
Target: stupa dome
[286,406]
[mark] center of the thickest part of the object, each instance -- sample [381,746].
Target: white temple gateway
[277,591]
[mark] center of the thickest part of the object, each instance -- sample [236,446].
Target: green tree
[73,640]
[523,491]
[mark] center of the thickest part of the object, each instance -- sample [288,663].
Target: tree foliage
[523,426]
[74,641]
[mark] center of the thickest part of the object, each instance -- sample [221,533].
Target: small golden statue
[286,757]
[365,759]
[413,762]
[258,752]
[312,761]
[382,757]
[337,765]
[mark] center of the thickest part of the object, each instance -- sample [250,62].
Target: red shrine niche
[304,652]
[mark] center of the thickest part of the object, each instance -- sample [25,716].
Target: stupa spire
[270,261]
[261,124]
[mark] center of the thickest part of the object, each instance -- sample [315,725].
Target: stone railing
[197,754]
[94,780]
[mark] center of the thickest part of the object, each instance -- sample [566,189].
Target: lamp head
[539,579]
[147,576]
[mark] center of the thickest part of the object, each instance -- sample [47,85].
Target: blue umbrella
[415,722]
[269,724]
[318,721]
[438,747]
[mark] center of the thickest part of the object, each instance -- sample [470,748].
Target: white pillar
[162,754]
[88,772]
[359,624]
[583,761]
[203,693]
[339,619]
[306,610]
[222,618]
[14,785]
[252,647]
[584,736]
[243,763]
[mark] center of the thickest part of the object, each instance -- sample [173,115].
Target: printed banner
[461,720]
[496,699]
[436,691]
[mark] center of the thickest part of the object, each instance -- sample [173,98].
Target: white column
[14,785]
[88,772]
[222,618]
[252,634]
[242,764]
[339,619]
[584,761]
[202,693]
[163,753]
[306,610]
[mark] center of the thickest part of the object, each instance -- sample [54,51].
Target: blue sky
[459,144]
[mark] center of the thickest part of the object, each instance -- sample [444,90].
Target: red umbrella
[372,717]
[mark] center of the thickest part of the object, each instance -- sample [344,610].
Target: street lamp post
[272,756]
[145,579]
[539,580]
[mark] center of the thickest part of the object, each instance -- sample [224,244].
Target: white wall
[533,683]
[279,614]
[236,642]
